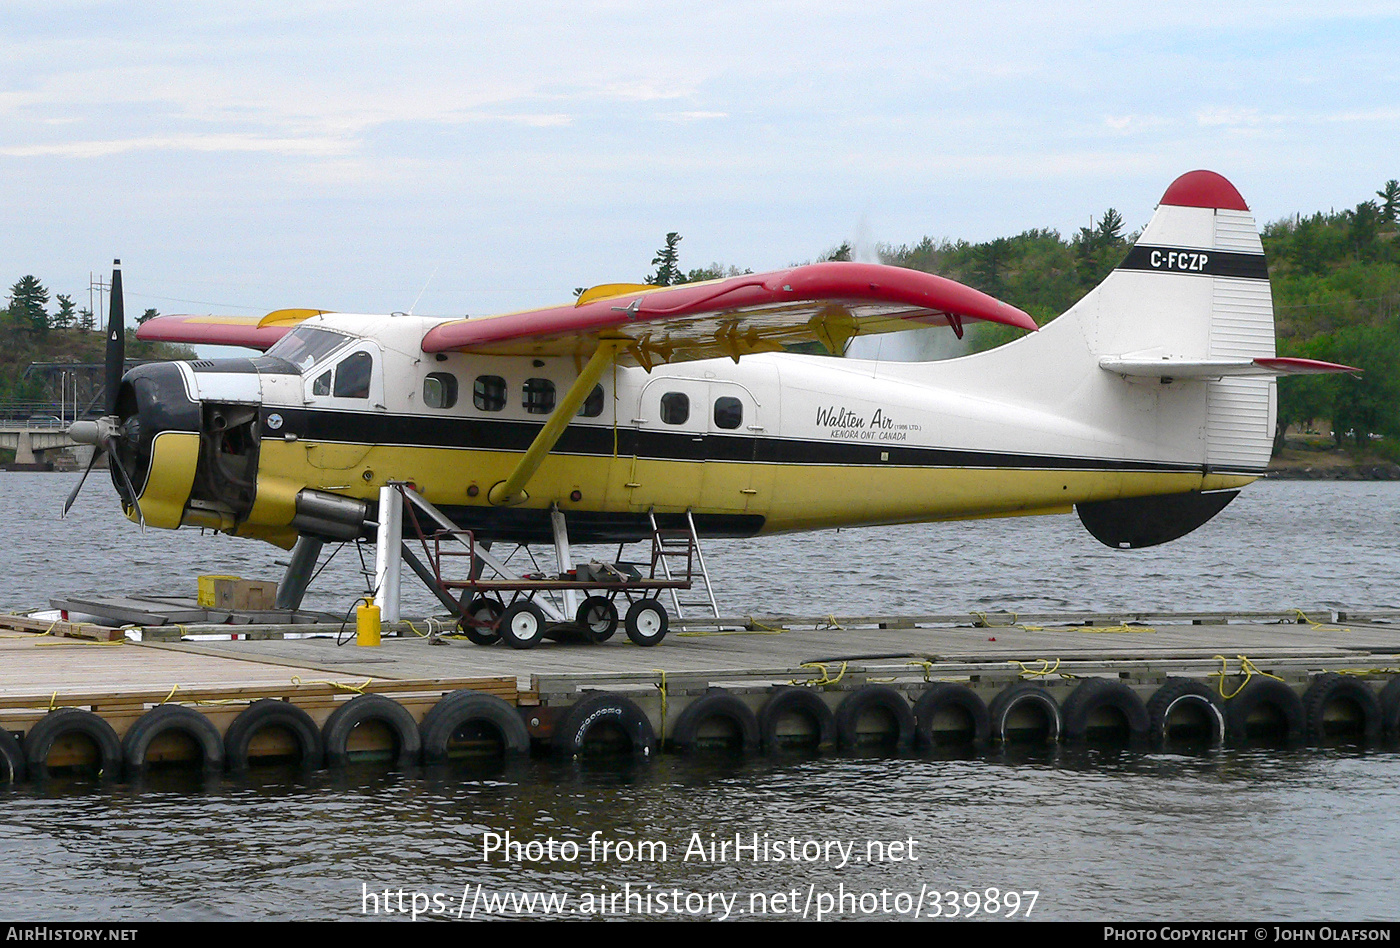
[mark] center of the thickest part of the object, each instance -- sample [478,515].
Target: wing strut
[511,491]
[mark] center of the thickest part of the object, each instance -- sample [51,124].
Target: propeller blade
[116,461]
[116,339]
[68,504]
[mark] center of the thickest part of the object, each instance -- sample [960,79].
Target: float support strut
[511,491]
[388,553]
[299,570]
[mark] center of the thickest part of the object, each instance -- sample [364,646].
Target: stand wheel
[485,612]
[646,622]
[522,625]
[598,617]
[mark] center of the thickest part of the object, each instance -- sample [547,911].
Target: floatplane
[1145,408]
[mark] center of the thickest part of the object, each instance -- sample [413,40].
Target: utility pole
[101,286]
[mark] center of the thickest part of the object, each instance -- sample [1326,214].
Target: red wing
[828,302]
[254,332]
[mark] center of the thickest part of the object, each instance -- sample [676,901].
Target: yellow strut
[511,491]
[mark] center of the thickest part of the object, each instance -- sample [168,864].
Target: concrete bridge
[36,440]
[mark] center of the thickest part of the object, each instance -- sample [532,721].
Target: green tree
[148,314]
[1110,229]
[715,271]
[666,261]
[86,321]
[28,305]
[67,316]
[1390,201]
[1365,224]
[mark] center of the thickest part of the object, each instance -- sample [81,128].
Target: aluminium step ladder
[668,545]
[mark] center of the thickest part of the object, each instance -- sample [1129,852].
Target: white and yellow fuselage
[770,442]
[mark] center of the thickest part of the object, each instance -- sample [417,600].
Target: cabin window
[729,412]
[489,393]
[539,396]
[675,408]
[352,376]
[440,390]
[593,404]
[322,385]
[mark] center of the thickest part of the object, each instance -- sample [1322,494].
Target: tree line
[33,330]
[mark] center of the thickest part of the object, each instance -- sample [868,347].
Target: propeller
[103,433]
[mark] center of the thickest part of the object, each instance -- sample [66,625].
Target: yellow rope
[53,699]
[171,695]
[1120,627]
[760,627]
[1247,668]
[826,678]
[831,623]
[68,641]
[662,687]
[357,689]
[926,666]
[983,622]
[1044,671]
[1316,626]
[412,628]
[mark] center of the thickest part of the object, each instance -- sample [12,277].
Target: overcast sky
[243,157]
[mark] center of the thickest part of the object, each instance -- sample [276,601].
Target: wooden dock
[746,684]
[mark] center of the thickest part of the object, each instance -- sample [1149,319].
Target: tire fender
[1022,694]
[1331,687]
[944,695]
[12,759]
[41,737]
[793,700]
[136,743]
[335,733]
[869,698]
[272,712]
[1390,708]
[465,706]
[571,732]
[1177,693]
[1265,692]
[715,703]
[1094,694]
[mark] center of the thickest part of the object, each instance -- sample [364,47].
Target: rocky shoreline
[1332,468]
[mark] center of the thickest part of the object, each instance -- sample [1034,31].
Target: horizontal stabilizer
[1263,367]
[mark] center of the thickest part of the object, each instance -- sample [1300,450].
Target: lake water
[1096,834]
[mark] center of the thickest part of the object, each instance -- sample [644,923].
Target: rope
[414,629]
[982,622]
[700,632]
[1120,627]
[173,689]
[355,689]
[1044,671]
[826,678]
[1316,626]
[760,627]
[662,687]
[926,666]
[1247,668]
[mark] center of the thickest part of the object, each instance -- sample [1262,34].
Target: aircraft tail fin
[1191,301]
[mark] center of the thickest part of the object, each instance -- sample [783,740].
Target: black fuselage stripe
[417,431]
